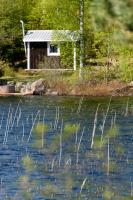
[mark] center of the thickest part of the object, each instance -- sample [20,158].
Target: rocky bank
[41,87]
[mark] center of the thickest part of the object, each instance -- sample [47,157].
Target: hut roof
[51,35]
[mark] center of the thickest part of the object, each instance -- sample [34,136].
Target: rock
[52,92]
[36,88]
[7,87]
[130,84]
[39,87]
[11,83]
[73,92]
[19,86]
[4,89]
[26,89]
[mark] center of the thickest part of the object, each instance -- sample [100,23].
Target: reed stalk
[19,117]
[82,185]
[68,162]
[94,127]
[42,129]
[60,155]
[131,189]
[1,120]
[57,115]
[23,133]
[80,105]
[108,159]
[76,137]
[7,127]
[52,164]
[15,115]
[78,147]
[127,108]
[34,121]
[105,117]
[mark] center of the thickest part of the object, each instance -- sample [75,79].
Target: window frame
[52,53]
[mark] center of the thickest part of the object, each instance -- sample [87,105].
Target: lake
[65,148]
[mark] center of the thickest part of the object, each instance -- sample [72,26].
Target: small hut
[43,47]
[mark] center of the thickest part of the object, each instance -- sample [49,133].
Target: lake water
[95,161]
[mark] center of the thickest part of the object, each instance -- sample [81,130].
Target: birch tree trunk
[81,38]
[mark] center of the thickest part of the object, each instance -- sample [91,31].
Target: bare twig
[80,104]
[127,106]
[78,147]
[61,143]
[105,117]
[34,121]
[94,127]
[84,181]
[108,159]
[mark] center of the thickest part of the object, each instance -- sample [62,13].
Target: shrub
[5,69]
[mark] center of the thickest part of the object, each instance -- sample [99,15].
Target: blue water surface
[69,169]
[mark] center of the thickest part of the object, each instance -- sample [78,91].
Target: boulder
[26,89]
[7,87]
[11,83]
[130,84]
[52,92]
[39,87]
[4,89]
[19,86]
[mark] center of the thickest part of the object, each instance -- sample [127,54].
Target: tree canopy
[100,18]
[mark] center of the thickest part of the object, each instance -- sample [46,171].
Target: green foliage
[108,195]
[24,181]
[112,132]
[28,163]
[40,129]
[119,149]
[112,167]
[106,31]
[3,67]
[126,71]
[54,14]
[27,195]
[49,190]
[8,71]
[67,178]
[69,183]
[11,12]
[69,130]
[67,55]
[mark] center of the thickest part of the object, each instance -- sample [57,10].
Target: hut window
[53,49]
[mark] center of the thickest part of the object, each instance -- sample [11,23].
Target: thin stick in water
[84,181]
[94,127]
[61,143]
[15,114]
[104,120]
[34,121]
[108,159]
[80,104]
[42,129]
[131,189]
[127,107]
[78,147]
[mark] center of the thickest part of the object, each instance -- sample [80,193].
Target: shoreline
[66,95]
[40,87]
